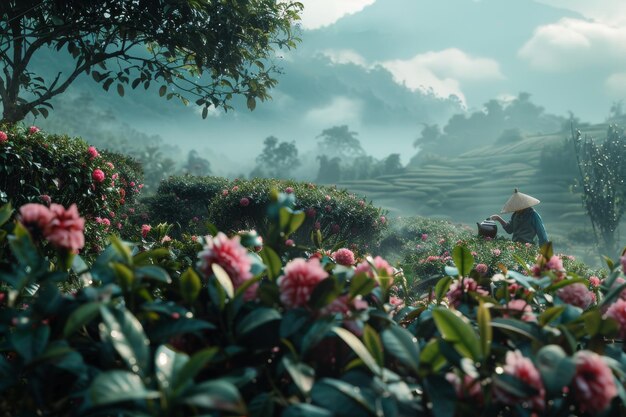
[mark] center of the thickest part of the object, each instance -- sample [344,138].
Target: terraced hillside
[469,188]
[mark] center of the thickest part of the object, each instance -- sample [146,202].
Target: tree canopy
[208,51]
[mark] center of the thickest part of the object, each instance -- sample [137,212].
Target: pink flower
[166,239]
[456,291]
[382,268]
[115,176]
[617,311]
[344,256]
[441,241]
[576,294]
[339,305]
[104,221]
[424,237]
[244,202]
[523,369]
[65,230]
[466,389]
[482,269]
[46,199]
[3,137]
[335,228]
[594,281]
[300,279]
[33,129]
[594,385]
[396,302]
[383,219]
[110,165]
[619,281]
[361,203]
[145,229]
[289,190]
[496,252]
[35,217]
[290,243]
[97,175]
[327,197]
[235,188]
[520,308]
[93,153]
[230,255]
[224,193]
[119,225]
[317,226]
[328,209]
[555,263]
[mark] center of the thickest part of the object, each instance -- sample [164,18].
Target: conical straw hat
[519,201]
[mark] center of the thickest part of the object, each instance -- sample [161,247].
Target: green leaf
[30,342]
[190,285]
[162,90]
[400,343]
[342,398]
[190,369]
[440,391]
[296,221]
[431,356]
[124,332]
[613,294]
[262,406]
[255,319]
[167,366]
[6,211]
[325,292]
[22,247]
[516,326]
[521,279]
[124,274]
[272,262]
[556,368]
[122,249]
[120,90]
[80,317]
[153,272]
[442,287]
[251,103]
[164,331]
[484,328]
[546,250]
[372,342]
[215,395]
[224,280]
[456,330]
[301,374]
[359,348]
[551,314]
[118,386]
[305,410]
[463,260]
[361,284]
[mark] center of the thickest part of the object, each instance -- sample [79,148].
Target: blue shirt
[525,225]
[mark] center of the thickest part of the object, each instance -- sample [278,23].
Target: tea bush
[250,330]
[42,168]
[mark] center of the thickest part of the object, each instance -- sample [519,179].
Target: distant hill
[469,188]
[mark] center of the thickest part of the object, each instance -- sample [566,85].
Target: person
[525,222]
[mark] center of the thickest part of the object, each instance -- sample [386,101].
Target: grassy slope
[469,188]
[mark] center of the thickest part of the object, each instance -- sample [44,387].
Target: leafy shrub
[232,337]
[37,167]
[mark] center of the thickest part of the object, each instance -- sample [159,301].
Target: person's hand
[496,217]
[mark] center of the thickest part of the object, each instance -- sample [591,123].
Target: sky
[387,67]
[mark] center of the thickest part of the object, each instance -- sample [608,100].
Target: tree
[330,170]
[277,159]
[602,179]
[339,141]
[197,165]
[208,51]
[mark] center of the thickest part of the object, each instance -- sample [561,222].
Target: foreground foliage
[252,330]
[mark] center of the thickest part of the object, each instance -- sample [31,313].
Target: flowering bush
[249,329]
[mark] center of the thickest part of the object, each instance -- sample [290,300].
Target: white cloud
[616,85]
[340,110]
[574,43]
[442,72]
[320,13]
[345,56]
[612,12]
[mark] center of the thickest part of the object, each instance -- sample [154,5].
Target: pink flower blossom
[496,252]
[328,208]
[224,193]
[617,311]
[166,239]
[119,225]
[396,302]
[555,263]
[65,230]
[441,241]
[235,188]
[576,294]
[594,385]
[310,212]
[290,243]
[231,256]
[244,202]
[46,199]
[383,219]
[93,152]
[466,389]
[110,165]
[594,281]
[145,229]
[98,175]
[424,237]
[482,269]
[361,203]
[335,228]
[382,268]
[344,256]
[523,369]
[456,291]
[33,129]
[327,197]
[3,137]
[35,217]
[517,308]
[289,190]
[300,279]
[115,176]
[103,221]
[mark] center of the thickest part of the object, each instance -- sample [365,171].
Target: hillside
[469,188]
